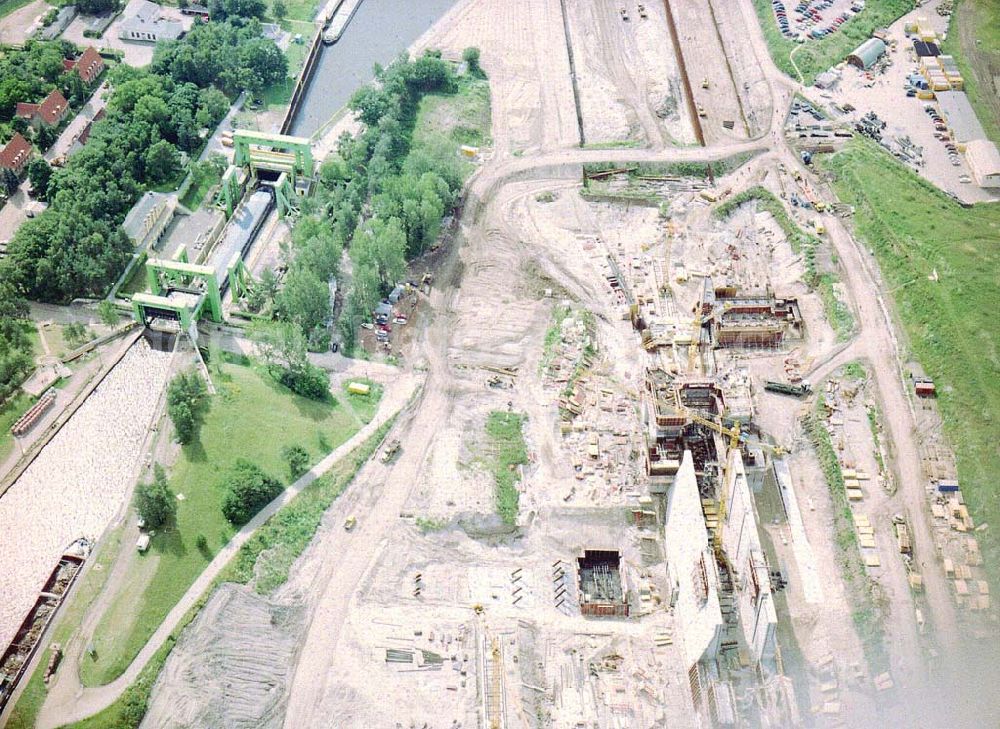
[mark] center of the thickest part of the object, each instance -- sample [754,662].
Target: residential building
[16,154]
[89,65]
[148,26]
[50,112]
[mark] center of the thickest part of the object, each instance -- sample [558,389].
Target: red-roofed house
[89,65]
[16,154]
[50,112]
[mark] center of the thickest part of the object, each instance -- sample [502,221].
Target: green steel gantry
[187,290]
[291,157]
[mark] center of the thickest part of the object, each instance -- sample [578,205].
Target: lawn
[816,56]
[9,6]
[286,534]
[974,41]
[445,122]
[252,417]
[951,324]
[299,10]
[507,451]
[204,178]
[281,94]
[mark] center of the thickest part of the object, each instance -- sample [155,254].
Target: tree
[162,162]
[281,345]
[8,181]
[39,173]
[212,107]
[154,501]
[187,404]
[297,459]
[108,313]
[279,10]
[305,298]
[471,57]
[95,7]
[247,489]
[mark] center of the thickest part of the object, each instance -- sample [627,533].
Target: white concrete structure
[984,161]
[751,577]
[691,568]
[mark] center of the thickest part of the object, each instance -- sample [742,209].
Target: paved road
[69,702]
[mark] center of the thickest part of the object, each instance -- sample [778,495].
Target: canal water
[378,33]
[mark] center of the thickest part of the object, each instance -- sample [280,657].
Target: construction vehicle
[391,449]
[784,388]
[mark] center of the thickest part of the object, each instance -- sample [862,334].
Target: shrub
[297,459]
[247,490]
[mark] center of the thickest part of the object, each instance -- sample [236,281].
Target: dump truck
[784,388]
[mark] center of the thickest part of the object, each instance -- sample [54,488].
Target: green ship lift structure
[187,292]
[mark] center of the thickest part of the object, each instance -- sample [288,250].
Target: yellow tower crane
[735,438]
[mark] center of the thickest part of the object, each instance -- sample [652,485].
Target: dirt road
[68,701]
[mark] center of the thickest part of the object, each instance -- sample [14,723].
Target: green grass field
[9,6]
[816,56]
[951,325]
[508,450]
[280,95]
[287,533]
[252,417]
[974,41]
[204,178]
[447,121]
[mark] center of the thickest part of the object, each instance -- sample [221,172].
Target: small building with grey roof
[148,26]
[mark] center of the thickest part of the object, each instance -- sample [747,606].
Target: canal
[378,33]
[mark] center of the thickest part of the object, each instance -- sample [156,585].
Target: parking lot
[813,19]
[914,129]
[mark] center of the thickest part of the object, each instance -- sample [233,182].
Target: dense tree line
[231,55]
[376,195]
[15,346]
[77,247]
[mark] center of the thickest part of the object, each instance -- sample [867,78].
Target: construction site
[735,505]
